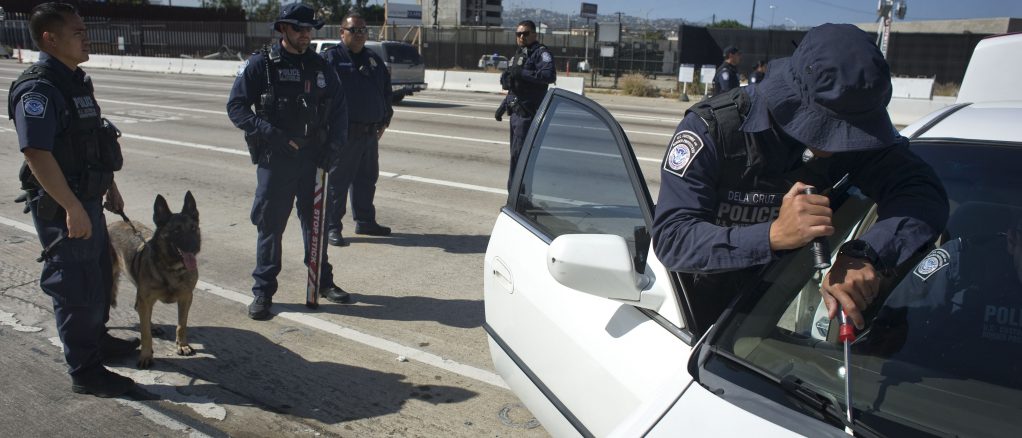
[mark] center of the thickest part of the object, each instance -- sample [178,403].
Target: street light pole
[772,9]
[753,18]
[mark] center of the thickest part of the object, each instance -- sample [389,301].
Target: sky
[802,12]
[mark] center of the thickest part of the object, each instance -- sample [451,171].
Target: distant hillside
[558,20]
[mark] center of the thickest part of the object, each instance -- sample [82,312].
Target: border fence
[643,51]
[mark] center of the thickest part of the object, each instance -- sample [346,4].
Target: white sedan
[589,329]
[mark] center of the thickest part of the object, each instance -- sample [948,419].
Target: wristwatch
[860,249]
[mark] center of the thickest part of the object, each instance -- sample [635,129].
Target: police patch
[372,61]
[34,104]
[725,75]
[320,80]
[684,147]
[807,155]
[546,57]
[933,262]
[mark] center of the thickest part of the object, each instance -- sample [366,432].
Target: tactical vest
[86,150]
[748,193]
[530,95]
[300,105]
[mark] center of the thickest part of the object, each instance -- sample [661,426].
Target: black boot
[335,294]
[334,238]
[260,308]
[372,229]
[101,383]
[112,348]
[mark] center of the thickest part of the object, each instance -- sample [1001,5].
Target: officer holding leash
[366,83]
[301,116]
[734,175]
[71,154]
[529,73]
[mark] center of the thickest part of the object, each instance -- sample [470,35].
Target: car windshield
[943,353]
[402,54]
[324,46]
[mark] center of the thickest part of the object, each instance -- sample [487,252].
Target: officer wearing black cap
[726,77]
[366,83]
[735,171]
[300,122]
[527,77]
[71,154]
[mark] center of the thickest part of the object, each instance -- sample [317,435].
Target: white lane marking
[178,108]
[161,419]
[366,339]
[440,182]
[186,144]
[672,121]
[7,318]
[150,90]
[428,113]
[339,330]
[447,137]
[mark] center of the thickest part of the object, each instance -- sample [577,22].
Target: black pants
[78,278]
[358,169]
[519,129]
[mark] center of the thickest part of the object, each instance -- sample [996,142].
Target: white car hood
[701,413]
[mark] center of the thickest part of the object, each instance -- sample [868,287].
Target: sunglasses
[300,29]
[523,34]
[357,30]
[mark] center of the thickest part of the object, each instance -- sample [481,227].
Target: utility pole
[753,18]
[617,57]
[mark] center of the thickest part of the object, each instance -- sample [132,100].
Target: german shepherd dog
[161,265]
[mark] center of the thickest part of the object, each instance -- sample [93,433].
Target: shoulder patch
[34,104]
[934,261]
[684,147]
[320,80]
[241,69]
[545,56]
[725,75]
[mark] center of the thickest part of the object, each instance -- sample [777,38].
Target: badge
[546,57]
[241,69]
[933,262]
[725,75]
[807,155]
[320,80]
[372,61]
[684,147]
[34,104]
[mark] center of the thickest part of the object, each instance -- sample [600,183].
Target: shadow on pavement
[452,243]
[259,372]
[453,313]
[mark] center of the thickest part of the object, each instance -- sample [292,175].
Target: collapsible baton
[316,247]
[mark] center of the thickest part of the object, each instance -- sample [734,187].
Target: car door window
[580,175]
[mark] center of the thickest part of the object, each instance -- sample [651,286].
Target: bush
[637,85]
[946,89]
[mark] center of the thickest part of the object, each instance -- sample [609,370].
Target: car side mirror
[601,265]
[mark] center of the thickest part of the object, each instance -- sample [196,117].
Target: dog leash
[133,229]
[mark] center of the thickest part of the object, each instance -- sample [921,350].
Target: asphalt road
[409,358]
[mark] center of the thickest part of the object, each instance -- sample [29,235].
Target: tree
[256,10]
[729,24]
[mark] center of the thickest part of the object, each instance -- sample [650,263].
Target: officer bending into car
[726,77]
[733,177]
[299,123]
[366,83]
[71,154]
[529,73]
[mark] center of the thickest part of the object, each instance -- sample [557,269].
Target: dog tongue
[189,260]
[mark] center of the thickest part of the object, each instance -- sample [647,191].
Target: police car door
[584,323]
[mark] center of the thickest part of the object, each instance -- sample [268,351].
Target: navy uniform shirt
[38,106]
[912,203]
[366,83]
[726,78]
[251,83]
[538,73]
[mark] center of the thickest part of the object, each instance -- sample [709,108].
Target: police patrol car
[589,329]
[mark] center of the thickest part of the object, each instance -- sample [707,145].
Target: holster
[256,147]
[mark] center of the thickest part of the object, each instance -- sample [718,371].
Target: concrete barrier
[464,81]
[573,84]
[435,79]
[904,111]
[155,65]
[211,67]
[912,88]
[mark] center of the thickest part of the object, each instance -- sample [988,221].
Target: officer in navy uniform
[726,77]
[758,74]
[302,118]
[734,174]
[71,153]
[527,77]
[366,83]
[966,297]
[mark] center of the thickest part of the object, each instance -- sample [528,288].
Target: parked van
[407,71]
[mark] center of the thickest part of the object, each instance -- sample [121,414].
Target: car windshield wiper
[824,405]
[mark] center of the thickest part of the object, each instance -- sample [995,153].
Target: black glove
[505,80]
[500,112]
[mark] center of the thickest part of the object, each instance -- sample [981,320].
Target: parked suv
[407,72]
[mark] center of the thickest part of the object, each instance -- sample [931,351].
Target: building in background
[451,13]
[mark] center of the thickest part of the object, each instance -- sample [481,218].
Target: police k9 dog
[162,266]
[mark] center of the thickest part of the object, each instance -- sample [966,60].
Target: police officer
[527,77]
[70,158]
[965,296]
[726,76]
[758,74]
[302,118]
[734,175]
[366,83]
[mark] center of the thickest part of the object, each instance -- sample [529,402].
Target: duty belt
[355,128]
